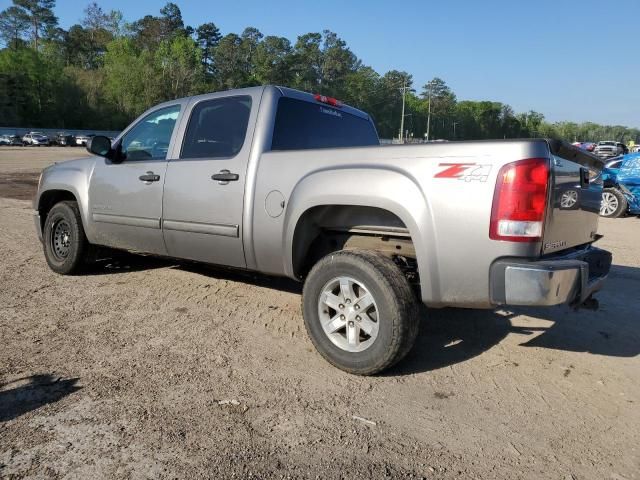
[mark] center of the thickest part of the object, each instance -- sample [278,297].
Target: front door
[204,189]
[126,198]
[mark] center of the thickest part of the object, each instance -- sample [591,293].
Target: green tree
[34,87]
[40,16]
[104,71]
[307,62]
[171,18]
[361,88]
[148,32]
[388,109]
[130,78]
[208,36]
[337,62]
[272,61]
[14,24]
[443,106]
[180,64]
[230,63]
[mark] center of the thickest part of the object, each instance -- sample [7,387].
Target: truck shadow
[613,330]
[31,393]
[114,262]
[122,262]
[451,336]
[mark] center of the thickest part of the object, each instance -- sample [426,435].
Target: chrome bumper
[570,278]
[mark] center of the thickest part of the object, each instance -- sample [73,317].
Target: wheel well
[329,228]
[49,198]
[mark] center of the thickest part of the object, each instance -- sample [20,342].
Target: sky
[574,60]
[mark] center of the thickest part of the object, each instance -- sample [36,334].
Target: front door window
[149,139]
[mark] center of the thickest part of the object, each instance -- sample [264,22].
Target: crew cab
[287,183]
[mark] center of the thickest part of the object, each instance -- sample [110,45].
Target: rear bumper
[570,278]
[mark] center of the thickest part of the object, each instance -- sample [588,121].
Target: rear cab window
[217,128]
[302,125]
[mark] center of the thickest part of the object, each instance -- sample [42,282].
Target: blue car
[621,182]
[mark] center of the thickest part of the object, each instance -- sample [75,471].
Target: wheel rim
[609,204]
[348,314]
[569,199]
[61,239]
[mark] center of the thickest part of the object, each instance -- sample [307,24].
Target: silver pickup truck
[288,183]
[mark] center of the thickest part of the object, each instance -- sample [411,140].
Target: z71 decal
[468,172]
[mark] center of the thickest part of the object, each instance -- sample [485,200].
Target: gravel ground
[147,368]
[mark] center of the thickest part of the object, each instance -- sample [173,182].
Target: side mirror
[100,146]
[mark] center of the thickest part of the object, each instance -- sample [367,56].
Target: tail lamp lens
[519,201]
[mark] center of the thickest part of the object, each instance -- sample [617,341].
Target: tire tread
[405,323]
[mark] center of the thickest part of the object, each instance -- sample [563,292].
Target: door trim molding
[125,220]
[221,229]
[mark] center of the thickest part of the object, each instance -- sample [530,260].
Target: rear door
[572,218]
[204,190]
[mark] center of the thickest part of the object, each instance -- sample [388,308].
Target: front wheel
[360,311]
[66,248]
[614,204]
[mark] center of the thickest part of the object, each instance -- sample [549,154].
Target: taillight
[520,200]
[328,100]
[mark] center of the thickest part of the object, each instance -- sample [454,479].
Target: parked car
[621,181]
[282,182]
[64,139]
[36,139]
[10,140]
[608,149]
[81,140]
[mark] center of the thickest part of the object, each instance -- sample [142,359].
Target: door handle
[149,177]
[225,176]
[584,177]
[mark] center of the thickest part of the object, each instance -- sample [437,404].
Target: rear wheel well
[49,198]
[330,228]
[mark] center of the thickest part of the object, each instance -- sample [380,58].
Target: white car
[35,138]
[82,140]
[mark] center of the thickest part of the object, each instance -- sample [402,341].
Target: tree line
[104,71]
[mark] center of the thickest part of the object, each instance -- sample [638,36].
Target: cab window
[149,139]
[217,128]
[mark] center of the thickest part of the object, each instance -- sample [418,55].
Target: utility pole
[429,112]
[404,93]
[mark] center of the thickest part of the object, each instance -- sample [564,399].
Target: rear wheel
[360,311]
[66,248]
[569,199]
[614,204]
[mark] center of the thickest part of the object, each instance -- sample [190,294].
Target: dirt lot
[151,369]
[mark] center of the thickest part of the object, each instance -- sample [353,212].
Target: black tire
[65,255]
[396,310]
[622,203]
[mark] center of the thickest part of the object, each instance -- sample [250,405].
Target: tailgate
[572,217]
